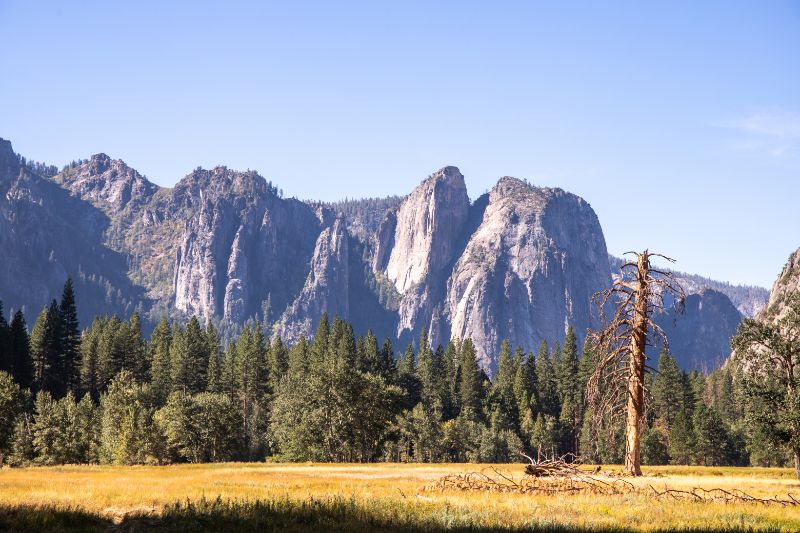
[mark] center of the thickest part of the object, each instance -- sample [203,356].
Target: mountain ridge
[520,262]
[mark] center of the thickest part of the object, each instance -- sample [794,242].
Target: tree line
[108,395]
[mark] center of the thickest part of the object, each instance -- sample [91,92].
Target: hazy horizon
[694,107]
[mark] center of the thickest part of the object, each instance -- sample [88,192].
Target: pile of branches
[564,466]
[499,482]
[563,476]
[717,495]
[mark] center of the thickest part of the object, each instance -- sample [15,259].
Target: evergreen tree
[548,386]
[70,341]
[386,366]
[278,362]
[426,372]
[568,387]
[525,392]
[213,348]
[111,351]
[189,358]
[90,348]
[319,347]
[668,389]
[300,357]
[711,436]
[21,362]
[11,406]
[505,409]
[134,348]
[407,378]
[46,351]
[5,343]
[471,383]
[681,439]
[368,353]
[161,360]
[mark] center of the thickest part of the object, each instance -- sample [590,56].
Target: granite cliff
[521,262]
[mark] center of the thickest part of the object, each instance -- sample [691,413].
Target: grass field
[386,497]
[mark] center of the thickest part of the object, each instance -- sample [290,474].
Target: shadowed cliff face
[46,235]
[700,337]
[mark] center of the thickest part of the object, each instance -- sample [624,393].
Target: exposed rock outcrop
[242,245]
[108,184]
[327,286]
[788,283]
[520,263]
[529,270]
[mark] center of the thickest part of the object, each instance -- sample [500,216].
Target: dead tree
[617,385]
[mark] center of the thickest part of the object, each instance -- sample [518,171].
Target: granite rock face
[787,284]
[327,285]
[528,271]
[519,263]
[417,244]
[242,246]
[108,184]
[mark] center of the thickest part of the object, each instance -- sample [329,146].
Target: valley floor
[385,497]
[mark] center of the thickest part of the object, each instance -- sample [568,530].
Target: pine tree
[667,389]
[213,348]
[568,387]
[426,372]
[711,436]
[161,360]
[386,365]
[548,387]
[300,357]
[278,362]
[134,348]
[90,347]
[22,364]
[681,439]
[368,353]
[5,343]
[525,387]
[407,378]
[319,346]
[506,408]
[471,383]
[110,354]
[70,339]
[46,351]
[189,358]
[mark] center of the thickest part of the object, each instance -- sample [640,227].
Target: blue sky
[695,105]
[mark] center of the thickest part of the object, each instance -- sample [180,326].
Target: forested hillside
[111,396]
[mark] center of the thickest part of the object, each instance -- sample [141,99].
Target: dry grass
[385,496]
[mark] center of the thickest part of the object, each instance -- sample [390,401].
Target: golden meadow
[366,497]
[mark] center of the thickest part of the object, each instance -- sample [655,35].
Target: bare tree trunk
[636,363]
[797,462]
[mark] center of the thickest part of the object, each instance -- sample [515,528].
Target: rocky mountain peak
[109,184]
[427,226]
[9,162]
[509,186]
[788,283]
